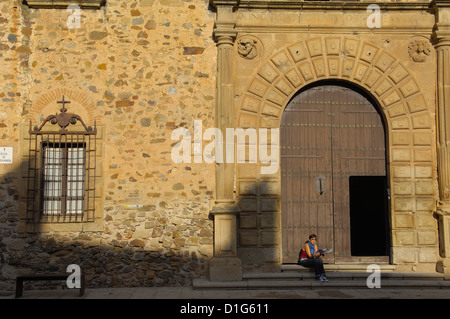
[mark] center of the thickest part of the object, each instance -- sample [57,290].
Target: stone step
[344,276]
[341,275]
[201,283]
[339,267]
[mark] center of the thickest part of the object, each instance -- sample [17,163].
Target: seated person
[310,256]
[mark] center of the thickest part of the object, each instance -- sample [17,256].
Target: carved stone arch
[409,125]
[352,60]
[383,76]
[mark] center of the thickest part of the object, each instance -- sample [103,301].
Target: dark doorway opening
[369,231]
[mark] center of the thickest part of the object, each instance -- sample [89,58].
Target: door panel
[306,172]
[358,150]
[328,134]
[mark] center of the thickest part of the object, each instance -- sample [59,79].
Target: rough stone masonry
[138,69]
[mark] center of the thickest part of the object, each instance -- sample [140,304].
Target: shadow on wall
[106,259]
[259,226]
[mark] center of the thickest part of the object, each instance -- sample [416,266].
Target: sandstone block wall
[289,54]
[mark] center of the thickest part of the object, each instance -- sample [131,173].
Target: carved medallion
[248,47]
[419,50]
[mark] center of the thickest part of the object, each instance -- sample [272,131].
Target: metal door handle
[320,184]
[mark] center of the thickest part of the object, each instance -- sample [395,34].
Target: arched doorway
[333,174]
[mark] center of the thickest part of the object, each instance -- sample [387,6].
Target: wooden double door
[333,174]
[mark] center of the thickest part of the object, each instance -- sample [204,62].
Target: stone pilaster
[442,40]
[225,265]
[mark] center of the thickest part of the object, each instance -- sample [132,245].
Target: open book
[325,251]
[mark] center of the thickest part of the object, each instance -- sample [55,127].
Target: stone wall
[138,69]
[288,55]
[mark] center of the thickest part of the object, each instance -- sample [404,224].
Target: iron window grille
[61,171]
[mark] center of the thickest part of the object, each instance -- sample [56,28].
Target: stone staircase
[345,276]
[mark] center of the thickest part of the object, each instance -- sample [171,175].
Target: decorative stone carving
[419,50]
[248,47]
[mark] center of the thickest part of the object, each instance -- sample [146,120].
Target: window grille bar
[61,172]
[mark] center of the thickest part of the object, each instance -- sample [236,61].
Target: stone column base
[225,269]
[444,267]
[444,231]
